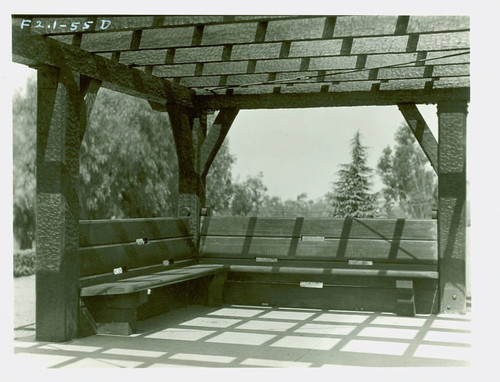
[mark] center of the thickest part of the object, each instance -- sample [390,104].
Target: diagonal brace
[421,131]
[215,138]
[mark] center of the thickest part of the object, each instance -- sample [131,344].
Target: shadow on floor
[244,336]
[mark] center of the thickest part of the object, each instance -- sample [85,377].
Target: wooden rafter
[362,98]
[215,138]
[421,131]
[39,50]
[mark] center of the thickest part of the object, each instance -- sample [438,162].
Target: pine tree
[351,196]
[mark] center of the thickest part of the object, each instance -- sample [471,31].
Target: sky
[300,150]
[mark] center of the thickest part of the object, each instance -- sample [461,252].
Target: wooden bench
[348,264]
[136,268]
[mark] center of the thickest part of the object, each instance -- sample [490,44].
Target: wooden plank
[325,263]
[365,25]
[102,232]
[376,60]
[327,272]
[229,34]
[283,65]
[155,280]
[198,54]
[113,75]
[143,57]
[385,44]
[233,67]
[451,82]
[421,131]
[330,63]
[105,42]
[442,41]
[355,98]
[420,24]
[411,84]
[166,37]
[382,229]
[450,57]
[179,70]
[301,29]
[255,51]
[331,249]
[105,258]
[451,70]
[112,277]
[315,48]
[338,298]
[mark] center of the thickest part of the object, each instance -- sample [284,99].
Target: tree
[410,183]
[220,187]
[248,196]
[128,165]
[351,197]
[23,156]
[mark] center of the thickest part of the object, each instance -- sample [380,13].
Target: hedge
[24,262]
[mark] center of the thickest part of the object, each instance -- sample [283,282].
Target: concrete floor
[244,336]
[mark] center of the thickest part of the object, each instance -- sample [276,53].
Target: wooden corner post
[189,131]
[451,205]
[59,129]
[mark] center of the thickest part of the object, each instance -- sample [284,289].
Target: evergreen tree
[410,182]
[351,197]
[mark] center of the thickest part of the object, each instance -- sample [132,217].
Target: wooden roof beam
[312,100]
[38,50]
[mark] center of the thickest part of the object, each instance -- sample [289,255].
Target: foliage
[410,182]
[24,262]
[248,196]
[128,165]
[301,206]
[351,197]
[24,153]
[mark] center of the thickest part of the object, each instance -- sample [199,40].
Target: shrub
[24,262]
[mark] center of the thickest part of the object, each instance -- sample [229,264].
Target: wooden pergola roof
[250,62]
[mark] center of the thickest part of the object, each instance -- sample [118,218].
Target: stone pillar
[57,230]
[451,206]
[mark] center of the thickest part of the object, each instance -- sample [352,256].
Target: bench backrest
[114,249]
[320,242]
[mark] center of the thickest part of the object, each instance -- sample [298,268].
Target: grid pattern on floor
[244,336]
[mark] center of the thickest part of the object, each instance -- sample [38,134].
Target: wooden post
[451,205]
[57,168]
[189,131]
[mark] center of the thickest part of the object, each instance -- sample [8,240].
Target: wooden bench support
[115,307]
[405,305]
[215,289]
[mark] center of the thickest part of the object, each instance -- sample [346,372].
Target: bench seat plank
[154,280]
[335,271]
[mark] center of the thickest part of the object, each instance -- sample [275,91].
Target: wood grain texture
[452,122]
[421,131]
[331,99]
[155,280]
[381,229]
[103,259]
[332,249]
[102,232]
[338,298]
